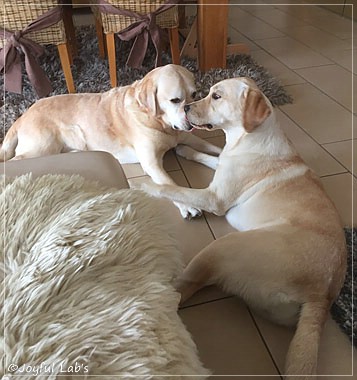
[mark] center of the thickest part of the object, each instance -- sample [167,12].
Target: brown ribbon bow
[143,28]
[10,59]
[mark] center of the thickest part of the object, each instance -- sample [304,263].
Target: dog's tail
[302,356]
[7,148]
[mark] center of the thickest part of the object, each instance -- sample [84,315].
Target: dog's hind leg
[7,149]
[36,143]
[253,265]
[197,274]
[304,347]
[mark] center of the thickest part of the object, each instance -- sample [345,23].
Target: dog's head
[235,102]
[165,91]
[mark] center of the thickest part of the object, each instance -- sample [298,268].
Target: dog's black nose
[186,108]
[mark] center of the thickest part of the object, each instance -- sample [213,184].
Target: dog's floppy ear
[255,109]
[146,96]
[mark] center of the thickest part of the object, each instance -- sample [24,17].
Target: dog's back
[57,124]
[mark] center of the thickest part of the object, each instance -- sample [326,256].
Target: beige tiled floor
[309,50]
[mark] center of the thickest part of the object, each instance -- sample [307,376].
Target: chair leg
[174,44]
[100,36]
[111,58]
[63,50]
[70,32]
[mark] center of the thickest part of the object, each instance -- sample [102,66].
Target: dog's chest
[239,219]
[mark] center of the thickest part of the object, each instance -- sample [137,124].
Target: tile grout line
[321,90]
[264,342]
[321,145]
[205,302]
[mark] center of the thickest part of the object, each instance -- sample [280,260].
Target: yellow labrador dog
[135,123]
[288,256]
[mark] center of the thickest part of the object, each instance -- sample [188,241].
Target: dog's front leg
[152,163]
[203,158]
[204,199]
[199,144]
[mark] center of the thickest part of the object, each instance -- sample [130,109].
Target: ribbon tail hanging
[13,76]
[155,34]
[138,50]
[36,75]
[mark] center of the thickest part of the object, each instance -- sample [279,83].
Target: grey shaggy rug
[346,305]
[91,74]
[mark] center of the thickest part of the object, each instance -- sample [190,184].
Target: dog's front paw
[189,212]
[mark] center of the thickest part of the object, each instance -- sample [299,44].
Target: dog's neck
[267,139]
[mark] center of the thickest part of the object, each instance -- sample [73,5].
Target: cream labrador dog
[135,123]
[288,256]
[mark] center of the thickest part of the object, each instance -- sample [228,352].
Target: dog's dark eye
[193,95]
[215,96]
[176,100]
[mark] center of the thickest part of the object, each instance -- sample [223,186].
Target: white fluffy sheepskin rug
[87,276]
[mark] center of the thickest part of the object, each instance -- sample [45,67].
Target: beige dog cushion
[88,283]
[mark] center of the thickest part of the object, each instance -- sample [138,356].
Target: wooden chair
[110,24]
[17,16]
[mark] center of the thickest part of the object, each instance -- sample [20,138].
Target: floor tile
[198,175]
[253,5]
[192,236]
[275,17]
[252,27]
[303,12]
[281,72]
[319,115]
[320,18]
[334,24]
[227,339]
[341,188]
[332,80]
[311,152]
[207,294]
[342,151]
[335,356]
[292,53]
[352,42]
[345,58]
[238,38]
[315,38]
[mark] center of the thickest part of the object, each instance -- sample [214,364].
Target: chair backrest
[116,23]
[17,15]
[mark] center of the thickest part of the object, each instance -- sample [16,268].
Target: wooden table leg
[212,33]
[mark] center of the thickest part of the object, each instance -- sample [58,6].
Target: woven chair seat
[116,23]
[24,28]
[133,20]
[17,15]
